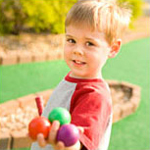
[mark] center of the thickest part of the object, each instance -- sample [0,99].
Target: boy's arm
[91,110]
[52,139]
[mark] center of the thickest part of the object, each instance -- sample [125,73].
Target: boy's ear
[114,49]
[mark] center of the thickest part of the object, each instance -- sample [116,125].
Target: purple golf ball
[68,134]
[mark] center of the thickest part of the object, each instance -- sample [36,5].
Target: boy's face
[85,52]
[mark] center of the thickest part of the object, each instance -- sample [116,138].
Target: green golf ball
[60,114]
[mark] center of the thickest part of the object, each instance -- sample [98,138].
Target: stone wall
[17,57]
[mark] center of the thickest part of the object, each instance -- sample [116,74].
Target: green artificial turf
[23,79]
[132,65]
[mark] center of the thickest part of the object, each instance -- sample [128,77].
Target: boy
[93,31]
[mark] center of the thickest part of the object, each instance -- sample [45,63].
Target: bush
[11,16]
[39,16]
[42,15]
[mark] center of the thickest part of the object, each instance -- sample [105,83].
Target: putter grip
[39,104]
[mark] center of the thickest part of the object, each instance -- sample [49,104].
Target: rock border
[19,138]
[122,110]
[15,57]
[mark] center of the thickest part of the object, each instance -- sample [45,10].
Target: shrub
[42,15]
[11,16]
[39,16]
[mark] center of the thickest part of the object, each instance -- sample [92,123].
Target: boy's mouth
[78,62]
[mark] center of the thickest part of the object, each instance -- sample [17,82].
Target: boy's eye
[71,41]
[89,44]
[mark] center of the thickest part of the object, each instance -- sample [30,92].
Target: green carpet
[132,65]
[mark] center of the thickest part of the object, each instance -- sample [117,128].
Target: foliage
[42,15]
[11,16]
[39,16]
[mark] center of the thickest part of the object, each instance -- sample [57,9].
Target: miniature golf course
[131,65]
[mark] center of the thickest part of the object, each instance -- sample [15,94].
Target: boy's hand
[52,139]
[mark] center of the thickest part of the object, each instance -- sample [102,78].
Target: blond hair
[105,15]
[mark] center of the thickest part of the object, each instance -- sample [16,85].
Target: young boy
[93,31]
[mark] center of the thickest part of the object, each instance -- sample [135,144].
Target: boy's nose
[78,51]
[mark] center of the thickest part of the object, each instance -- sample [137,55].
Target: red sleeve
[90,109]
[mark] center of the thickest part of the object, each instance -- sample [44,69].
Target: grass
[133,132]
[131,65]
[22,79]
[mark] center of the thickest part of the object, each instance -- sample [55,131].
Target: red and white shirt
[90,106]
